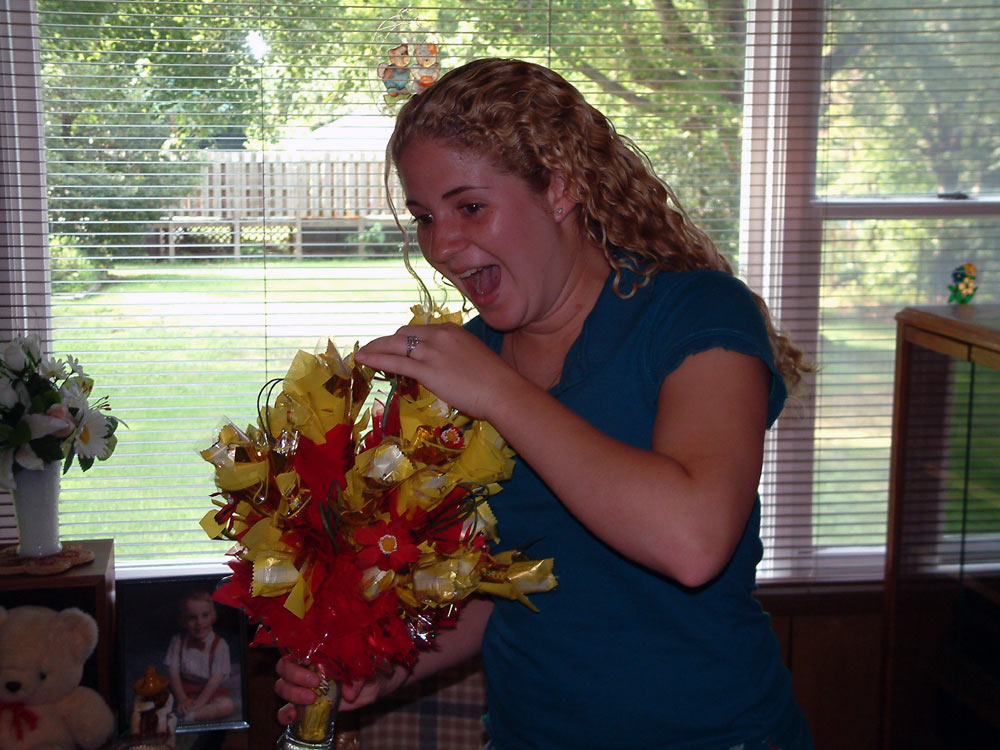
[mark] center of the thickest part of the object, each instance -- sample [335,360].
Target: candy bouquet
[360,531]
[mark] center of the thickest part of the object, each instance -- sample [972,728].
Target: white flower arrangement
[46,414]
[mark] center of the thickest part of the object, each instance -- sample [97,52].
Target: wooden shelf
[947,360]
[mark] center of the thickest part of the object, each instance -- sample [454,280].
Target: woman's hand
[455,365]
[297,685]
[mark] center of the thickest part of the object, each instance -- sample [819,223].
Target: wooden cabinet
[91,587]
[942,595]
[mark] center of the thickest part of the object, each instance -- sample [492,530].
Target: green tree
[909,109]
[138,89]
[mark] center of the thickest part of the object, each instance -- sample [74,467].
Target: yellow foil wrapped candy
[359,531]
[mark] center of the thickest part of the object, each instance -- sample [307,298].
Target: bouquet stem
[314,726]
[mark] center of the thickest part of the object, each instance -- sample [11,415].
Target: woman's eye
[471,208]
[422,219]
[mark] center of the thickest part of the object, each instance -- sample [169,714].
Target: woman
[635,377]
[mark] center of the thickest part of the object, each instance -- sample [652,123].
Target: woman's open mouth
[481,282]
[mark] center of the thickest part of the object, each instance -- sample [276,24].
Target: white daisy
[51,368]
[91,439]
[75,366]
[73,395]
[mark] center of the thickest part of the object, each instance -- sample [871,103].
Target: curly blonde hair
[528,121]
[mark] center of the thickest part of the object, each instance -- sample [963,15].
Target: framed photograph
[175,641]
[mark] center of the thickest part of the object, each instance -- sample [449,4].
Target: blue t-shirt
[620,656]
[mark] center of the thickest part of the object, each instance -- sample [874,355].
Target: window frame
[24,267]
[781,209]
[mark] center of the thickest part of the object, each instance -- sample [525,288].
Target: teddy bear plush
[42,704]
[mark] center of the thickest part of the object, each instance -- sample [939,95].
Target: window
[875,123]
[209,208]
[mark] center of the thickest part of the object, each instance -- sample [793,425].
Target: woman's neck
[538,350]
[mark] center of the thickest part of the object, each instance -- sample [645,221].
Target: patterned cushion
[441,713]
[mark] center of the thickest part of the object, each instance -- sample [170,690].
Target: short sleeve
[705,310]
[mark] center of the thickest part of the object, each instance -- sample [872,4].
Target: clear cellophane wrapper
[359,532]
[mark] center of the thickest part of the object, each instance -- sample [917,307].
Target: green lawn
[179,349]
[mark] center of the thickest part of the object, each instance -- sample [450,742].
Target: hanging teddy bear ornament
[426,67]
[407,70]
[395,74]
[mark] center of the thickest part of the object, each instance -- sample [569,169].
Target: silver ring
[411,344]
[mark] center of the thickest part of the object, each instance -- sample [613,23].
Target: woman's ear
[560,201]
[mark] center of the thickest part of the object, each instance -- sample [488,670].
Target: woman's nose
[443,242]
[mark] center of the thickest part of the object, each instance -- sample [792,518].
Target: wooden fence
[243,191]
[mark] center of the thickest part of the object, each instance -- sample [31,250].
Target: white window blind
[212,207]
[214,198]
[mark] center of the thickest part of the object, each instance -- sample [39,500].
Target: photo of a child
[173,627]
[198,662]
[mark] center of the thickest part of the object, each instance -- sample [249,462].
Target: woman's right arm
[451,647]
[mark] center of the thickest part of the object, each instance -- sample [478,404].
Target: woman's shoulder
[698,280]
[704,298]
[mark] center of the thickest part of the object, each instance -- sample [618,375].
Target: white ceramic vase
[36,507]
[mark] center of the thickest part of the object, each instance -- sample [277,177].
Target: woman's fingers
[349,691]
[287,714]
[296,684]
[294,693]
[445,358]
[297,674]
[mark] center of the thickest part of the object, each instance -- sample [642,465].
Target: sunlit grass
[181,348]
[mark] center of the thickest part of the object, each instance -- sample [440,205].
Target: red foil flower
[450,436]
[389,545]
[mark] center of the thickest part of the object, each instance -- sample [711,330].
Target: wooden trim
[977,325]
[940,344]
[816,598]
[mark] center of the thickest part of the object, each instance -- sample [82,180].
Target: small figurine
[153,715]
[426,67]
[395,74]
[963,285]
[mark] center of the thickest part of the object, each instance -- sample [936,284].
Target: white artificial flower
[13,355]
[8,396]
[75,366]
[27,458]
[32,346]
[21,389]
[73,395]
[51,368]
[7,469]
[91,440]
[43,424]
